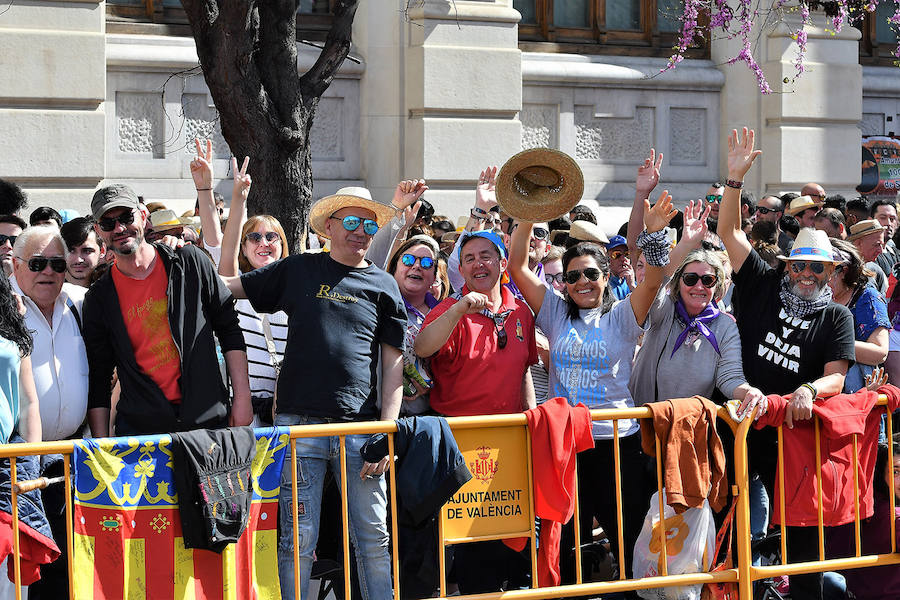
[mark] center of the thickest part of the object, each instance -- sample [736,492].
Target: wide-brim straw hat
[864,228]
[798,205]
[165,220]
[811,244]
[585,231]
[539,184]
[358,197]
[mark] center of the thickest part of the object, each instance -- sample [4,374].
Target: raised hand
[408,193]
[648,173]
[410,213]
[741,153]
[201,166]
[242,180]
[485,196]
[656,218]
[877,378]
[695,227]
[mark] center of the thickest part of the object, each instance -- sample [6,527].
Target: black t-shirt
[337,318]
[779,352]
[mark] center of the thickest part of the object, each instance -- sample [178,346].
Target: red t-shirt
[472,375]
[145,310]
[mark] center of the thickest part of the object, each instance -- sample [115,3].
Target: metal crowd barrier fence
[743,574]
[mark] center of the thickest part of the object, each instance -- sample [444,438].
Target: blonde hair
[251,224]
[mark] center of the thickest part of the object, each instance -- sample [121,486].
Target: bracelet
[812,389]
[204,189]
[480,211]
[734,184]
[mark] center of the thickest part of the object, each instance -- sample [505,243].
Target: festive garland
[738,23]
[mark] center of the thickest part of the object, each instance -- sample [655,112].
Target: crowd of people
[135,320]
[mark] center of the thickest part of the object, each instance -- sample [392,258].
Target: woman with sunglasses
[871,326]
[592,341]
[414,267]
[689,334]
[247,244]
[19,406]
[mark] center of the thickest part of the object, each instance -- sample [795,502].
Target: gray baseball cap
[113,196]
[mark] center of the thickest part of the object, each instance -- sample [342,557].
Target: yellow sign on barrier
[495,501]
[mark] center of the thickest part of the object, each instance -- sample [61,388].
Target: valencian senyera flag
[128,540]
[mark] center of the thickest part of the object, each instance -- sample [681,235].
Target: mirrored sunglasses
[573,276]
[39,263]
[553,277]
[798,266]
[713,198]
[257,237]
[352,223]
[109,223]
[691,279]
[409,260]
[540,233]
[615,254]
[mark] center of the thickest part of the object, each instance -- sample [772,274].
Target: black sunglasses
[257,236]
[691,279]
[10,238]
[798,266]
[540,233]
[764,211]
[109,223]
[572,277]
[553,277]
[39,263]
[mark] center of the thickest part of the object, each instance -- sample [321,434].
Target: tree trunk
[248,54]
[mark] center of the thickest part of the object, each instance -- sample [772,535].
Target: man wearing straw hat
[343,311]
[868,237]
[805,209]
[794,340]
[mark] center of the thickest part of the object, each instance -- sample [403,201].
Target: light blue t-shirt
[9,388]
[590,358]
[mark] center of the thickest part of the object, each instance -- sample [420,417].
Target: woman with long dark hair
[592,341]
[18,398]
[850,286]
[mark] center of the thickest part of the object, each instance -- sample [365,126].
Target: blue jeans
[759,513]
[367,507]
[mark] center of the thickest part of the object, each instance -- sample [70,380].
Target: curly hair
[12,324]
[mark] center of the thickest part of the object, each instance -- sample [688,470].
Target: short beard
[129,250]
[805,294]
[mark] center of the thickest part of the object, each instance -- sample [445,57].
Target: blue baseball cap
[616,241]
[488,235]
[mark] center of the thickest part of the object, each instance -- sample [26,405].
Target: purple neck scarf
[699,322]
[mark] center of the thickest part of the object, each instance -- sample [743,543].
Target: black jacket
[199,305]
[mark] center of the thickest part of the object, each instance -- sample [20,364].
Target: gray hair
[709,257]
[37,233]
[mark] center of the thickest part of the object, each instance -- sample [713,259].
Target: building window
[642,27]
[167,17]
[878,41]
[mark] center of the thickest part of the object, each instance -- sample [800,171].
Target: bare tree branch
[337,46]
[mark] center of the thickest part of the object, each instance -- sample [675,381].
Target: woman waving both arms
[592,341]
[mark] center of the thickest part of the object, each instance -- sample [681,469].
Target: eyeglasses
[540,233]
[352,223]
[691,279]
[409,260]
[109,223]
[713,198]
[39,263]
[573,276]
[764,211]
[553,277]
[798,266]
[615,254]
[10,238]
[257,237]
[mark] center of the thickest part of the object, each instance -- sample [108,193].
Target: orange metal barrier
[743,574]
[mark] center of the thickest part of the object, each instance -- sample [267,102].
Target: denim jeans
[759,513]
[367,508]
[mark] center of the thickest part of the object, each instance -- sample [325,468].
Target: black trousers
[597,499]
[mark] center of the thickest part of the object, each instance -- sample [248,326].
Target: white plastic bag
[690,544]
